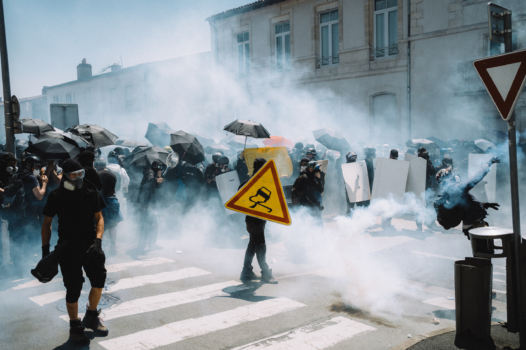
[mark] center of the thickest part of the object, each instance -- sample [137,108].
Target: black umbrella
[53,149]
[247,128]
[218,148]
[159,134]
[96,135]
[70,138]
[188,147]
[331,139]
[143,157]
[130,143]
[35,126]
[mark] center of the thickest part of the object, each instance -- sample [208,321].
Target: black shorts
[71,264]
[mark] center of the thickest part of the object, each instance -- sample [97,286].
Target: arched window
[384,121]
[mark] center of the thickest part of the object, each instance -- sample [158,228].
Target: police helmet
[298,145]
[351,157]
[304,161]
[223,160]
[311,151]
[313,164]
[216,156]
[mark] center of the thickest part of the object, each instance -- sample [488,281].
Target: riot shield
[324,164]
[356,181]
[390,178]
[227,184]
[416,179]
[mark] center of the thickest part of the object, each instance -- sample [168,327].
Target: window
[283,46]
[329,38]
[87,100]
[55,99]
[128,92]
[243,54]
[68,98]
[385,28]
[384,121]
[113,99]
[498,48]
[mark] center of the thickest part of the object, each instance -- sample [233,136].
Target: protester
[112,212]
[256,244]
[86,159]
[148,192]
[78,206]
[241,168]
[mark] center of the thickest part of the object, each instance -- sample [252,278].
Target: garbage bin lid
[491,231]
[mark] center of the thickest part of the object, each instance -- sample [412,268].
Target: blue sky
[47,39]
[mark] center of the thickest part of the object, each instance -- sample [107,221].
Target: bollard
[473,286]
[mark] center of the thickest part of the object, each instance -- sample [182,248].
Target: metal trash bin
[473,286]
[484,237]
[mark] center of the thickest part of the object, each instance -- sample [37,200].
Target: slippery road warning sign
[262,196]
[504,77]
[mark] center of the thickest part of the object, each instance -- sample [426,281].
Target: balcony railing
[383,52]
[327,61]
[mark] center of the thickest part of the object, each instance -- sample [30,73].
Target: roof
[25,99]
[245,8]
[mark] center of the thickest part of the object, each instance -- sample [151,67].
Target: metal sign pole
[9,127]
[514,181]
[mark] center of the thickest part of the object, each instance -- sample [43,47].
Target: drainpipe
[409,67]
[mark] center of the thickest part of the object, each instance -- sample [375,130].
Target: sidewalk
[444,339]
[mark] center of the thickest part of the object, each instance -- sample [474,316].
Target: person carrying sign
[256,244]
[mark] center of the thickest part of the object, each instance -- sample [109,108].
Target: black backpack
[14,195]
[448,217]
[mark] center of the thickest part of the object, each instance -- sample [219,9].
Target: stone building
[359,49]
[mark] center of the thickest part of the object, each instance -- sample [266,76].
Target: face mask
[72,185]
[11,169]
[36,173]
[303,168]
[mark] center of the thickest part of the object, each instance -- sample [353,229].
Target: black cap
[86,158]
[71,165]
[394,153]
[157,164]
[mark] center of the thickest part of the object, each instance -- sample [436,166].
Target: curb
[417,339]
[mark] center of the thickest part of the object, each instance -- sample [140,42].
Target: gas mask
[303,168]
[77,182]
[11,169]
[36,172]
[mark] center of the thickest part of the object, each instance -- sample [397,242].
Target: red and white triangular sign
[504,77]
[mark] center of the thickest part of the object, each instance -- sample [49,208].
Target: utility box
[473,287]
[64,115]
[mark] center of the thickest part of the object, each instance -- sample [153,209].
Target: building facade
[396,68]
[125,100]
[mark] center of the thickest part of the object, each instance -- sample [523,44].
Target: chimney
[115,67]
[84,70]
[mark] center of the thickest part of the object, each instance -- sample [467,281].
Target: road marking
[109,268]
[435,255]
[163,301]
[315,336]
[177,331]
[132,282]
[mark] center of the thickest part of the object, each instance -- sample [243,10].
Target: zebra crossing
[317,335]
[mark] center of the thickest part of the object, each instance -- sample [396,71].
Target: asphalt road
[390,285]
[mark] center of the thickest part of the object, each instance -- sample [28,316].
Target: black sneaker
[76,332]
[92,321]
[249,276]
[266,277]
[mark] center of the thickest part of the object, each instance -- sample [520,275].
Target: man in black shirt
[78,206]
[256,244]
[112,213]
